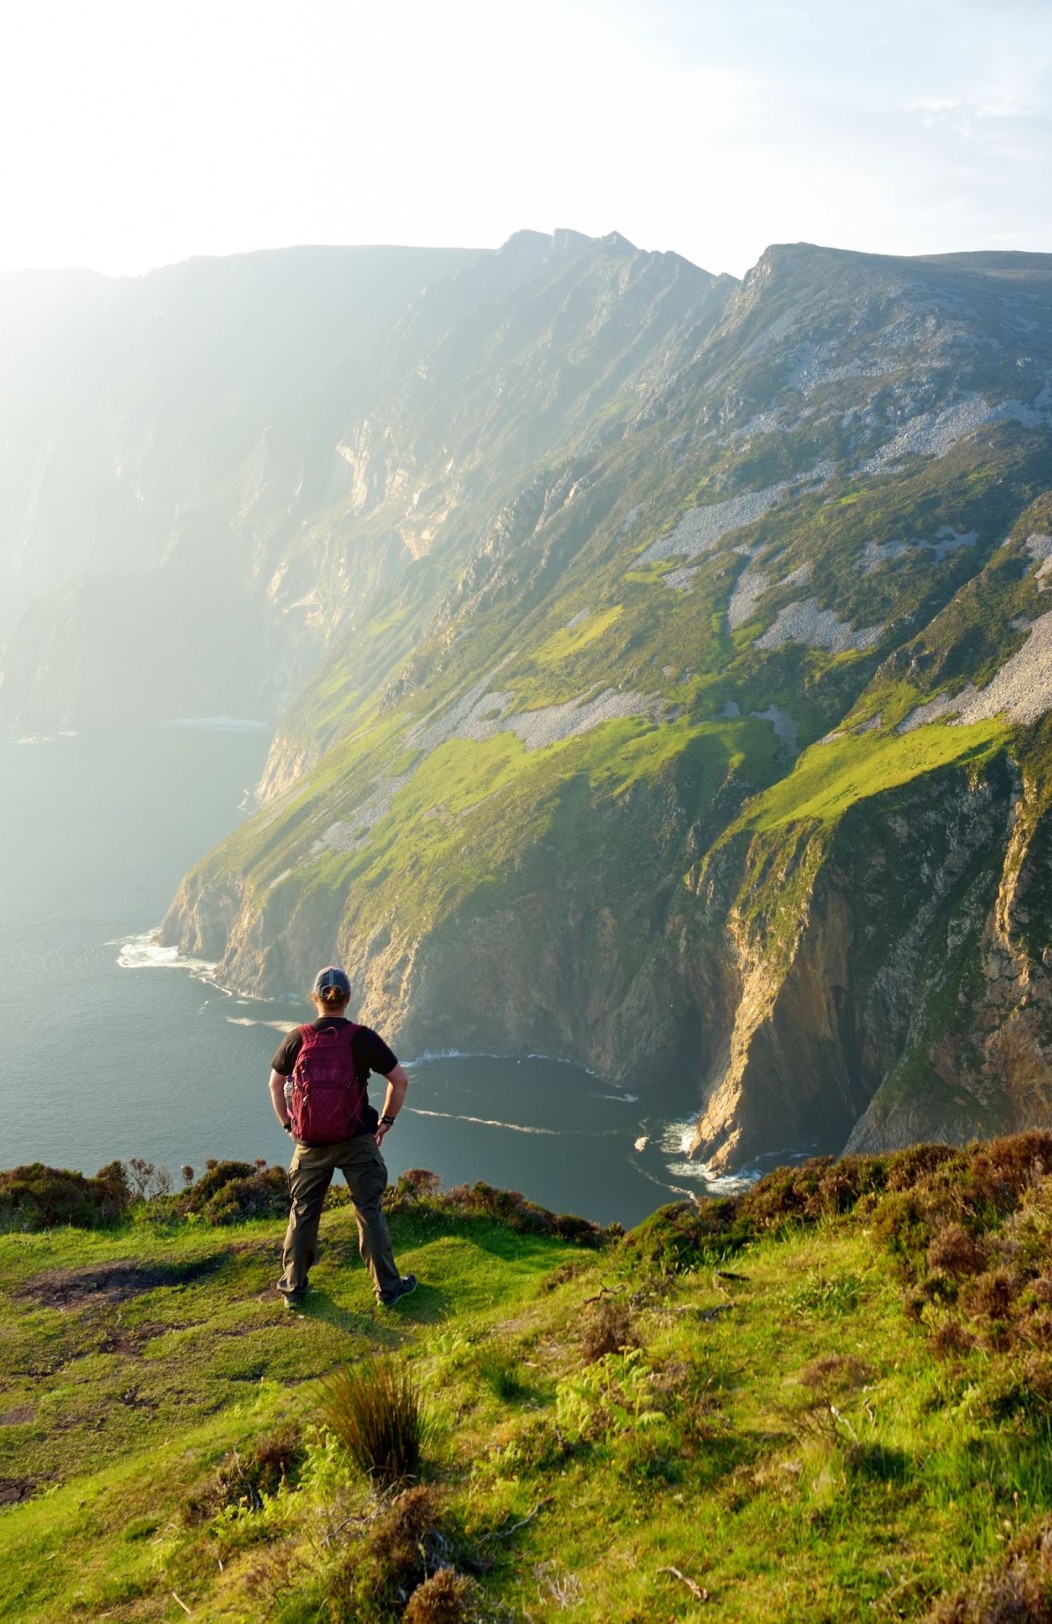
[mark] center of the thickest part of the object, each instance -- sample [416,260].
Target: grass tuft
[378,1416]
[499,1368]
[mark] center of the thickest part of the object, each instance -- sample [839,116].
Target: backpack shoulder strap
[306,1035]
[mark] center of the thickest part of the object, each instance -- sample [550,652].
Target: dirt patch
[114,1282]
[15,1489]
[131,1339]
[18,1416]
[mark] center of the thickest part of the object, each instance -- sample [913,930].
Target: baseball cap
[332,977]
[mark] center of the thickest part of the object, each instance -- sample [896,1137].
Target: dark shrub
[899,1221]
[246,1479]
[445,1598]
[568,1227]
[418,1182]
[389,1559]
[1023,1388]
[608,1328]
[834,1374]
[218,1174]
[1003,1169]
[262,1195]
[1015,1595]
[955,1251]
[513,1210]
[418,1188]
[950,1339]
[990,1295]
[39,1197]
[682,1236]
[789,1194]
[903,1169]
[231,1191]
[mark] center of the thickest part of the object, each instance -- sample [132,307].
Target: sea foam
[145,952]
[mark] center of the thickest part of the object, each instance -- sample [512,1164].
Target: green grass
[781,1434]
[570,639]
[830,778]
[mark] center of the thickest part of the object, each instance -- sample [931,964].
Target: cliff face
[720,745]
[859,954]
[665,662]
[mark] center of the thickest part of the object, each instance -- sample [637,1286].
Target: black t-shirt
[368,1051]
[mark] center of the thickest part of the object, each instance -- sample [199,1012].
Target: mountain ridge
[624,610]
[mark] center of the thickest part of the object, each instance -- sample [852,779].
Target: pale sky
[138,132]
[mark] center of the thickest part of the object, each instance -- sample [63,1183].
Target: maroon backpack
[326,1097]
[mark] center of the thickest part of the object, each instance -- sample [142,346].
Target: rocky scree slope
[678,682]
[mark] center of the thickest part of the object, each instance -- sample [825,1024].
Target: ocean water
[113,1048]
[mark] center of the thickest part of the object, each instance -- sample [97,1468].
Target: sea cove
[116,1048]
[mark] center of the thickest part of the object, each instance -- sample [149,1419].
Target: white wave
[147,953]
[715,1183]
[677,1137]
[224,724]
[483,1122]
[488,1054]
[445,1054]
[622,1099]
[275,1026]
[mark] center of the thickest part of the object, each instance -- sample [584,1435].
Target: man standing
[357,1154]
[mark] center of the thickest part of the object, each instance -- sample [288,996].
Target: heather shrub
[397,1549]
[245,1480]
[39,1197]
[418,1189]
[989,1296]
[418,1182]
[681,1236]
[445,1598]
[212,1181]
[833,1374]
[955,1251]
[263,1194]
[231,1191]
[950,1340]
[1003,1169]
[1015,1590]
[608,1328]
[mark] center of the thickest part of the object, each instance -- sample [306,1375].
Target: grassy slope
[783,1436]
[494,799]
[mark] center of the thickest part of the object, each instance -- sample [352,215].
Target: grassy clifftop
[827,1398]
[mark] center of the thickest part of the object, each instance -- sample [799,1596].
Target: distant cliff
[661,663]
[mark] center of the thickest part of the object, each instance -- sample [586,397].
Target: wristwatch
[387,1121]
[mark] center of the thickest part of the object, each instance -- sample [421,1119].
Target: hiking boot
[404,1287]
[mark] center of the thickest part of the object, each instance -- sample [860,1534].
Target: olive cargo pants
[310,1175]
